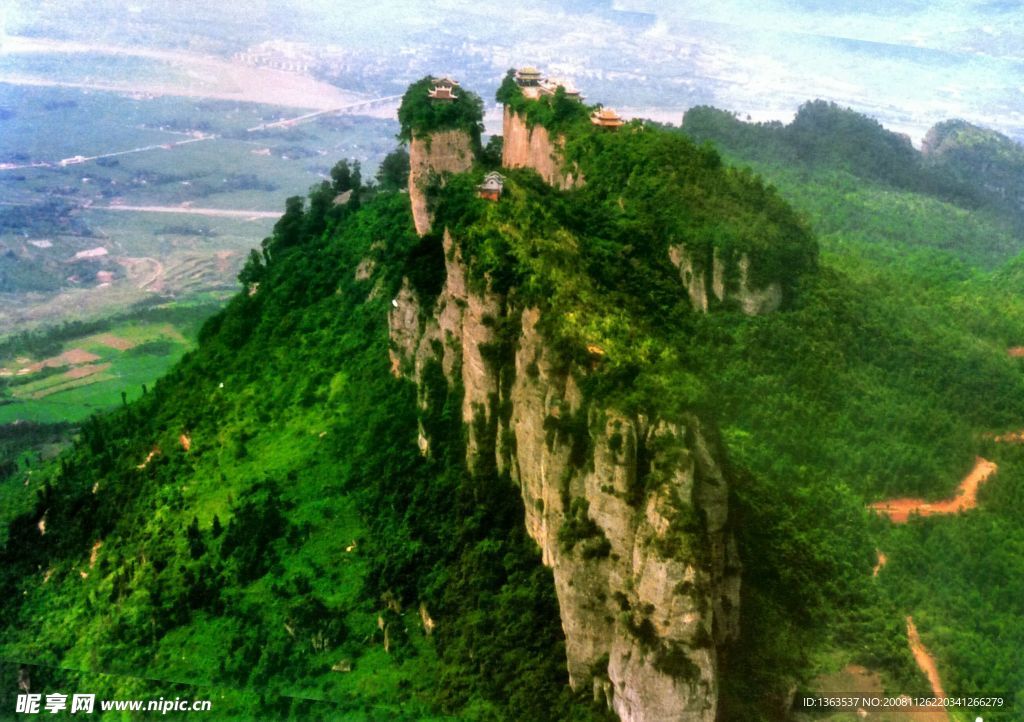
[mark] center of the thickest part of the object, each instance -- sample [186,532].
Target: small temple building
[534,84]
[444,89]
[529,77]
[606,118]
[548,86]
[492,186]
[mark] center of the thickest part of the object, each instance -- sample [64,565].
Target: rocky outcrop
[629,511]
[526,147]
[729,284]
[447,151]
[456,333]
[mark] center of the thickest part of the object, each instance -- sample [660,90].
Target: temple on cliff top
[606,118]
[444,89]
[534,84]
[644,553]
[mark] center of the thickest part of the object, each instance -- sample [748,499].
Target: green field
[83,388]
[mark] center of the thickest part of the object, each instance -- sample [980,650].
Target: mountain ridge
[324,509]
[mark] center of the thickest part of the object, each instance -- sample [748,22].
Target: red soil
[924,659]
[68,358]
[149,457]
[899,510]
[115,342]
[80,372]
[1010,437]
[94,553]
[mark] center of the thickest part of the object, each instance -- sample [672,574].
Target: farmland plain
[126,214]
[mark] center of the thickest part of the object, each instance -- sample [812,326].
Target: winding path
[899,510]
[924,659]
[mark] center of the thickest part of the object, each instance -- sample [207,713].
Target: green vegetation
[393,174]
[882,382]
[263,557]
[47,374]
[269,527]
[967,153]
[419,115]
[110,363]
[866,189]
[558,112]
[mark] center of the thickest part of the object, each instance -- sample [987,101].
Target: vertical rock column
[430,157]
[526,147]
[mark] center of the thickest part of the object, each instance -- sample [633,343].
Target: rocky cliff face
[455,333]
[630,512]
[727,285]
[449,151]
[525,147]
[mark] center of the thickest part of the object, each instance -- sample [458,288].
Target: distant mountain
[965,179]
[989,160]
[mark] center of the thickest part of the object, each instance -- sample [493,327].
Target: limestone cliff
[447,151]
[526,147]
[728,283]
[629,511]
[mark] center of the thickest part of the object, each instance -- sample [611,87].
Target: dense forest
[261,525]
[269,530]
[891,378]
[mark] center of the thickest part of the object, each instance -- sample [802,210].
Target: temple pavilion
[442,92]
[529,77]
[548,86]
[444,88]
[606,118]
[492,186]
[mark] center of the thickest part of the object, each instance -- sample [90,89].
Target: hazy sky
[910,64]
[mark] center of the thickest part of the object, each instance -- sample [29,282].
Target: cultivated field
[172,194]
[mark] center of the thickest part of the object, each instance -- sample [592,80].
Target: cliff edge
[629,511]
[543,300]
[534,147]
[430,157]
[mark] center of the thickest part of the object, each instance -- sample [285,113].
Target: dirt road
[899,510]
[924,660]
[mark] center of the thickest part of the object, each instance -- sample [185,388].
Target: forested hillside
[262,526]
[262,519]
[896,372]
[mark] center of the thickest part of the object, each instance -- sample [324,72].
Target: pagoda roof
[550,85]
[493,181]
[606,117]
[442,92]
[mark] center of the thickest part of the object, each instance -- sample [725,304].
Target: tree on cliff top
[420,115]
